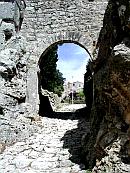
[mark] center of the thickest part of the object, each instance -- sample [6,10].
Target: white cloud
[80,51]
[68,70]
[72,62]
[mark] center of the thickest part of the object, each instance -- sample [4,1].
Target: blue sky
[72,61]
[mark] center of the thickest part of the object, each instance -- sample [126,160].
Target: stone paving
[55,149]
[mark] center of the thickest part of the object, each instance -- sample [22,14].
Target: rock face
[107,80]
[11,17]
[110,108]
[13,71]
[14,112]
[50,101]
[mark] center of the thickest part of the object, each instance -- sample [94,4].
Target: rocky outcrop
[107,146]
[11,18]
[17,121]
[53,99]
[13,71]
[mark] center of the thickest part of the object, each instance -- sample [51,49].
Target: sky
[72,60]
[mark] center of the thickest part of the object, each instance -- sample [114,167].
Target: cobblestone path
[55,149]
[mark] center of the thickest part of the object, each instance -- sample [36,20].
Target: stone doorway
[48,63]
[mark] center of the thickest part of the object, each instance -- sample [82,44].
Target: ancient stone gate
[49,21]
[46,22]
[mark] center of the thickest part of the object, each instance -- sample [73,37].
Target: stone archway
[37,49]
[47,22]
[51,21]
[70,40]
[44,96]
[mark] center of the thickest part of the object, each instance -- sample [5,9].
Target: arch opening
[62,69]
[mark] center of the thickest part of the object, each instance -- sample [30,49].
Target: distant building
[77,86]
[72,87]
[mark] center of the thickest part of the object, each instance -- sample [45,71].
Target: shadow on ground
[72,138]
[77,115]
[72,141]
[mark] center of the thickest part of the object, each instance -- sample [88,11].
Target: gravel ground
[54,149]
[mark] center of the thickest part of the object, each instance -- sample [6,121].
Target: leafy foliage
[88,171]
[51,78]
[80,94]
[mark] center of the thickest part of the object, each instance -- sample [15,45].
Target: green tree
[59,81]
[51,78]
[80,94]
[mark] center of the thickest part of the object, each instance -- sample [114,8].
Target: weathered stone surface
[21,161]
[46,23]
[110,113]
[53,98]
[49,150]
[107,83]
[13,70]
[11,16]
[43,25]
[15,114]
[6,10]
[2,147]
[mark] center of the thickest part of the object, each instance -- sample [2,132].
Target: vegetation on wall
[51,78]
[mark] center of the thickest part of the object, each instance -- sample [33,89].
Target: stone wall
[13,81]
[11,16]
[6,13]
[48,22]
[45,23]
